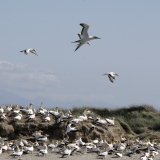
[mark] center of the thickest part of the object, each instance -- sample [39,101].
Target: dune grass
[137,119]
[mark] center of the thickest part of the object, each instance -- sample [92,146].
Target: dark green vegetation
[141,120]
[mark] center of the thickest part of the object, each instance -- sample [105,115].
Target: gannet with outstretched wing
[84,37]
[26,51]
[111,76]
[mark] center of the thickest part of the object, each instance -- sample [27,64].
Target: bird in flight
[80,37]
[84,37]
[26,51]
[111,76]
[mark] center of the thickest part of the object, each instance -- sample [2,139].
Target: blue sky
[129,46]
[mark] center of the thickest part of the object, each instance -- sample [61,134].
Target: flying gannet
[80,37]
[111,76]
[26,51]
[84,37]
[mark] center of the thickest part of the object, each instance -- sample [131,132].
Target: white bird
[16,109]
[84,37]
[84,117]
[103,154]
[3,116]
[123,139]
[8,108]
[70,129]
[110,121]
[44,138]
[26,51]
[1,110]
[43,151]
[82,150]
[17,153]
[80,142]
[18,117]
[143,157]
[37,134]
[72,145]
[31,117]
[47,117]
[95,149]
[5,146]
[42,146]
[25,142]
[76,120]
[29,149]
[20,142]
[0,150]
[111,76]
[154,153]
[80,37]
[67,152]
[101,121]
[119,154]
[95,141]
[54,112]
[27,110]
[53,145]
[150,158]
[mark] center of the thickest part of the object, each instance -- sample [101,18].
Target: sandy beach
[76,156]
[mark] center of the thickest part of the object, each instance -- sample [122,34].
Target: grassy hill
[143,120]
[134,121]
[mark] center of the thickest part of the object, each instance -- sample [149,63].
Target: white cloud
[31,81]
[26,77]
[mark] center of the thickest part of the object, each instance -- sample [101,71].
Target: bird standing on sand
[103,154]
[119,154]
[0,150]
[18,152]
[67,152]
[43,152]
[26,51]
[84,37]
[111,76]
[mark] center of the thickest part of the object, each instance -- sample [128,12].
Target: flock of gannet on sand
[41,145]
